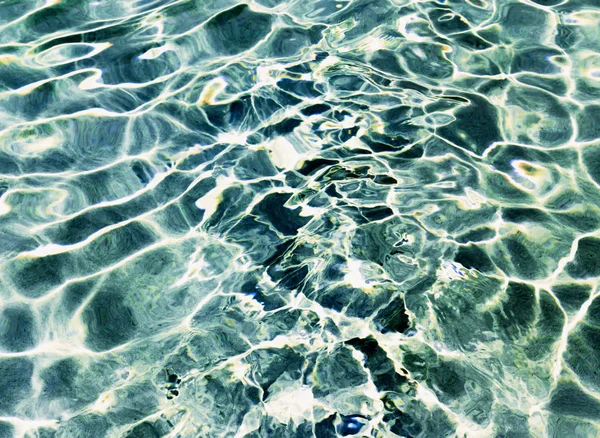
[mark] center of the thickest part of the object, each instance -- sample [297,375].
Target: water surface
[299,218]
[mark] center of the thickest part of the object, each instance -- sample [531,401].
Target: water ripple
[291,218]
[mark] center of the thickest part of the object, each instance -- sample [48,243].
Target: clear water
[299,218]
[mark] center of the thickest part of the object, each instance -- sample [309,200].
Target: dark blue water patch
[437,66]
[556,86]
[588,129]
[387,61]
[335,268]
[593,312]
[586,90]
[350,426]
[549,326]
[523,22]
[517,314]
[448,380]
[15,383]
[380,366]
[336,371]
[339,297]
[234,201]
[74,294]
[256,164]
[59,379]
[54,42]
[115,245]
[7,430]
[582,355]
[572,295]
[311,167]
[150,129]
[523,215]
[326,428]
[567,36]
[403,424]
[319,200]
[10,11]
[586,263]
[304,89]
[239,115]
[372,15]
[150,429]
[143,171]
[348,82]
[543,102]
[581,221]
[36,276]
[289,41]
[285,220]
[16,76]
[91,424]
[385,180]
[493,85]
[14,242]
[83,226]
[19,330]
[366,215]
[270,364]
[234,400]
[318,108]
[290,279]
[343,135]
[510,423]
[536,60]
[478,123]
[237,29]
[58,17]
[110,322]
[476,235]
[172,186]
[385,143]
[400,115]
[284,127]
[239,111]
[145,430]
[115,182]
[472,41]
[393,317]
[269,301]
[569,399]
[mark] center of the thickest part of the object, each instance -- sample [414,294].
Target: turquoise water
[374,218]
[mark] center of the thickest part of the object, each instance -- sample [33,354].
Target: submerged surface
[299,218]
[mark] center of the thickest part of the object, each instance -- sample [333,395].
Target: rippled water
[299,218]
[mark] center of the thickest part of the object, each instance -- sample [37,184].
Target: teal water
[296,218]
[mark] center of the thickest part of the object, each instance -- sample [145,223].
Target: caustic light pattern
[299,218]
